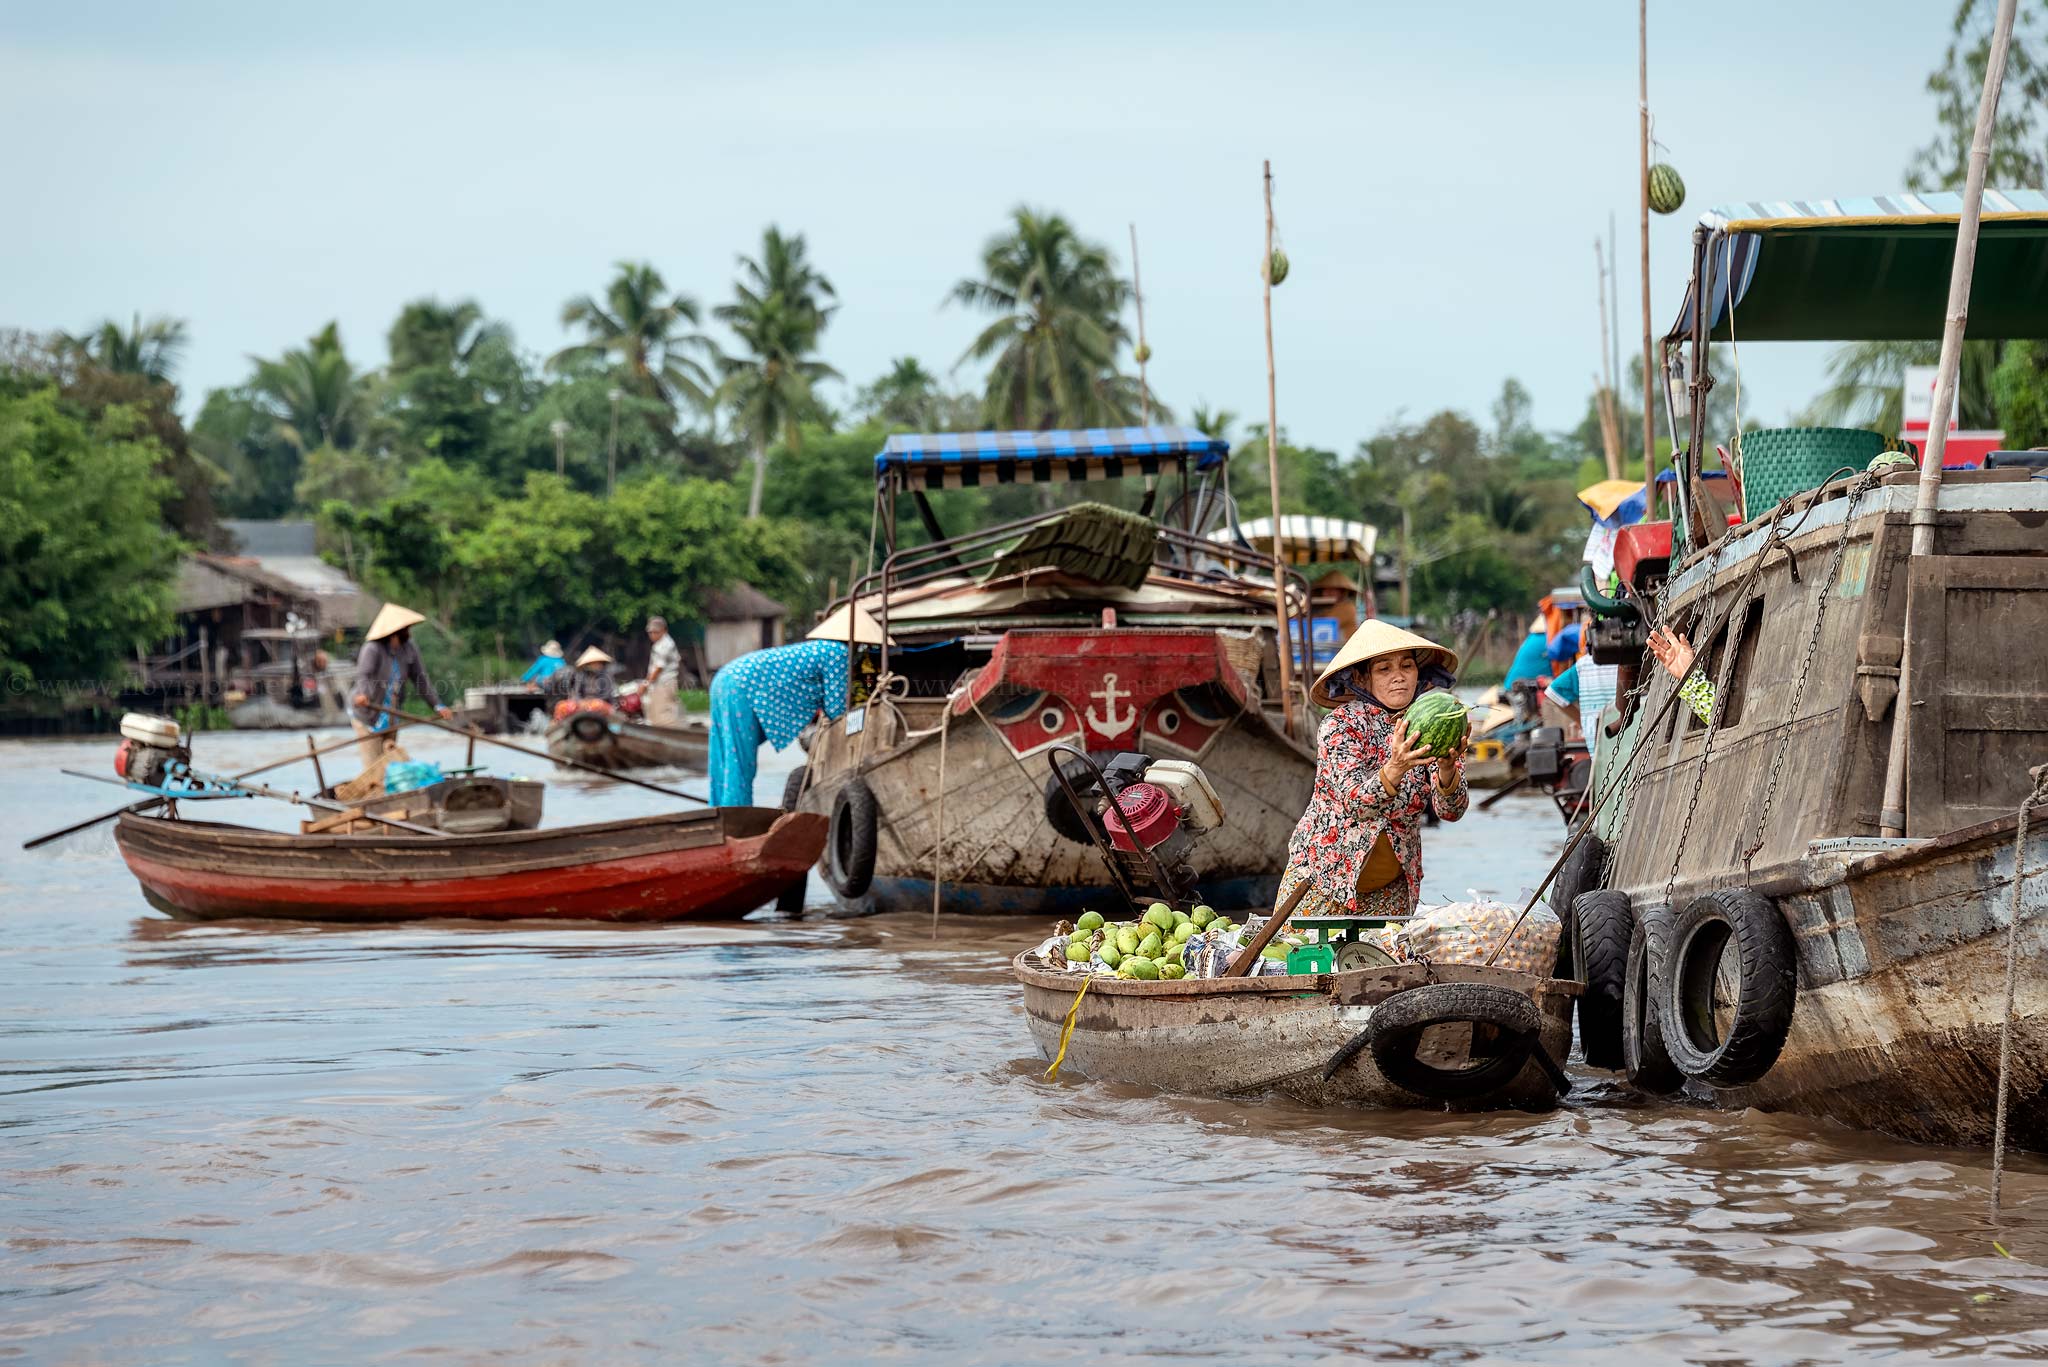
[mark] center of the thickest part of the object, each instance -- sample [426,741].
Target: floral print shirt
[1349,809]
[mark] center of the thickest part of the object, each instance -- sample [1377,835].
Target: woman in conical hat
[387,662]
[589,682]
[1359,844]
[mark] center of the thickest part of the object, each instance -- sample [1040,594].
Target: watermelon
[1667,191]
[1885,462]
[1437,720]
[1276,267]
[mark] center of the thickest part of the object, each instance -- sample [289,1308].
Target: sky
[1441,171]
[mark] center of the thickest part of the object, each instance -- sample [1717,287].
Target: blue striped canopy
[954,460]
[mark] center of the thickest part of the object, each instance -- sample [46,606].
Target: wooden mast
[1610,392]
[1285,642]
[1643,119]
[1144,351]
[1956,323]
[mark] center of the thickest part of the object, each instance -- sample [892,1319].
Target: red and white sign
[1965,449]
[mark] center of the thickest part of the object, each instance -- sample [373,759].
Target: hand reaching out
[1403,754]
[1673,651]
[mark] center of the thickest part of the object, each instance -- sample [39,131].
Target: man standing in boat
[772,695]
[387,663]
[658,702]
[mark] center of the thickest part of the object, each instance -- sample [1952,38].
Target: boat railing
[1178,557]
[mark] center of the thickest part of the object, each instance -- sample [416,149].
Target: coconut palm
[643,330]
[150,349]
[778,311]
[1867,383]
[314,394]
[1212,422]
[429,332]
[1052,347]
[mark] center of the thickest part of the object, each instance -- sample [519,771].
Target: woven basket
[1791,460]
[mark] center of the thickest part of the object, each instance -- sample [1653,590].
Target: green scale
[1340,944]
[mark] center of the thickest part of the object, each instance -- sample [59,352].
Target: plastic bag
[1466,933]
[409,774]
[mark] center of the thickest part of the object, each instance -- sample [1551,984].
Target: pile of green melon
[1150,947]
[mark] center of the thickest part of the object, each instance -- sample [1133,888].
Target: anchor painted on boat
[1111,723]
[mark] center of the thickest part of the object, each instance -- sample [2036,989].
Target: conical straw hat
[594,656]
[866,630]
[390,618]
[1375,637]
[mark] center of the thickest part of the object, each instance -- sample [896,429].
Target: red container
[1150,812]
[1646,546]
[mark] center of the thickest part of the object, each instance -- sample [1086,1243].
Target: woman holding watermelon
[1392,748]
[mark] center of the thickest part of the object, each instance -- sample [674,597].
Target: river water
[829,1141]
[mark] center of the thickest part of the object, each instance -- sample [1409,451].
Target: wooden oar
[144,806]
[262,790]
[1249,955]
[475,735]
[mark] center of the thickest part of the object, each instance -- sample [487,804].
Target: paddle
[473,734]
[318,803]
[1249,955]
[147,803]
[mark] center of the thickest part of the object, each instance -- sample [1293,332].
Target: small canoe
[615,742]
[712,863]
[1253,1036]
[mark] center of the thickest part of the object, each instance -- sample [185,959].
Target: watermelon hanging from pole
[1667,191]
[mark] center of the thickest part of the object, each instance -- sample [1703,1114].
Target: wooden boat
[1249,1036]
[1891,941]
[617,742]
[1086,627]
[711,863]
[468,804]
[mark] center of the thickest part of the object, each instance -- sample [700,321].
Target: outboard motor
[149,747]
[1160,809]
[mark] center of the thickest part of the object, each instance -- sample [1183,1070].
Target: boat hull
[623,744]
[1256,1036]
[716,863]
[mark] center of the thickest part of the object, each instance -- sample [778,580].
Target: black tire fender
[1644,1059]
[1767,985]
[1601,924]
[1067,823]
[850,839]
[1578,875]
[1396,1025]
[793,787]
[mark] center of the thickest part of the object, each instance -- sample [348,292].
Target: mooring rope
[2012,959]
[1067,1030]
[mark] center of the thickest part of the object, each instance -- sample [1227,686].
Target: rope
[939,844]
[1067,1030]
[2012,960]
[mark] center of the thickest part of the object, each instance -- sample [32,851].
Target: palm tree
[1213,422]
[429,332]
[905,397]
[1868,380]
[1053,345]
[314,393]
[150,349]
[777,313]
[641,328]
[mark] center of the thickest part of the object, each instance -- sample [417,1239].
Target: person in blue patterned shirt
[769,695]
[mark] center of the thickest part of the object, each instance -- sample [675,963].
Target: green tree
[1212,422]
[779,309]
[1957,85]
[457,390]
[1052,347]
[643,333]
[237,431]
[315,394]
[85,561]
[150,350]
[2020,385]
[428,332]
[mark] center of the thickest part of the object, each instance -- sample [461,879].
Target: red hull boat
[719,862]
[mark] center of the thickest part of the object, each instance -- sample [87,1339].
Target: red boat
[717,862]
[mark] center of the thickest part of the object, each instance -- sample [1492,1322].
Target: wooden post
[1643,112]
[1285,641]
[1892,822]
[1144,352]
[313,753]
[1610,417]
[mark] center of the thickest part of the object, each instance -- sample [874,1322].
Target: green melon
[1438,721]
[1276,268]
[1667,191]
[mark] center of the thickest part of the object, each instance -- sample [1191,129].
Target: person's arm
[532,671]
[1347,757]
[1677,656]
[416,670]
[1447,791]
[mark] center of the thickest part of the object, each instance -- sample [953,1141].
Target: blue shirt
[785,687]
[542,668]
[1564,689]
[1531,660]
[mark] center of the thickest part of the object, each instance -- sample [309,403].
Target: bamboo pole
[1956,323]
[1144,351]
[1643,120]
[1285,640]
[1610,418]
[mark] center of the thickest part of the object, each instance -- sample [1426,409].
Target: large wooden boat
[613,741]
[1887,929]
[1085,626]
[712,863]
[1252,1036]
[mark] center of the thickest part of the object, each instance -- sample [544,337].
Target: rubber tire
[793,787]
[1396,1025]
[1644,1059]
[1601,924]
[1579,875]
[850,839]
[1768,975]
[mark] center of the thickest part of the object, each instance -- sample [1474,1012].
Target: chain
[1820,615]
[1729,649]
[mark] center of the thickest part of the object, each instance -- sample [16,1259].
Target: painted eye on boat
[1052,719]
[1169,721]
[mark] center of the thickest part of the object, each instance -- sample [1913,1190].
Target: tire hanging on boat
[1395,1028]
[1645,1061]
[850,842]
[793,786]
[1767,984]
[1578,875]
[1601,924]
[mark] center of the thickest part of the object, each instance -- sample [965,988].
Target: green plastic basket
[1791,460]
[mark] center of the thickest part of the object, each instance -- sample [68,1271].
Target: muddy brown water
[831,1141]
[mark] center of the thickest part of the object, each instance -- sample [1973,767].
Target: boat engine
[1161,808]
[149,747]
